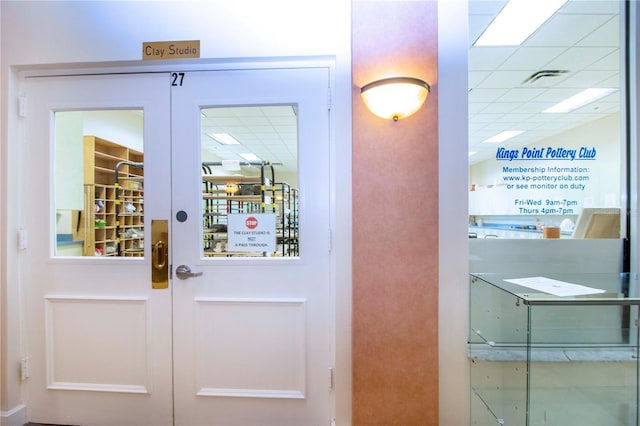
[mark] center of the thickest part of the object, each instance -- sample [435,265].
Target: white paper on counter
[555,287]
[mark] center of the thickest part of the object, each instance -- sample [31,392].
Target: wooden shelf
[106,217]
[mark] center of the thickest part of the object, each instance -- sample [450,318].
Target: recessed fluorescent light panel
[517,21]
[250,156]
[224,138]
[503,136]
[579,100]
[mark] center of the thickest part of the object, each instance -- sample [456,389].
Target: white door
[252,333]
[98,335]
[247,338]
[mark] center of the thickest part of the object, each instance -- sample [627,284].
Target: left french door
[99,337]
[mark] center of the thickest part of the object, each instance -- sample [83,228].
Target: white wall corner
[453,212]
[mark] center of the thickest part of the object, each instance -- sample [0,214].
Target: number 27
[177,78]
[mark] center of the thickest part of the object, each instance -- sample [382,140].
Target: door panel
[99,338]
[252,333]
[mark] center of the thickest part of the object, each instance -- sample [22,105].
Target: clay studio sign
[154,50]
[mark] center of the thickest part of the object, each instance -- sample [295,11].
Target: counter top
[510,231]
[565,288]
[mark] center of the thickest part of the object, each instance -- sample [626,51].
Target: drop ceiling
[268,131]
[581,41]
[508,86]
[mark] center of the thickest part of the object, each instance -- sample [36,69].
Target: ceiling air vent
[543,74]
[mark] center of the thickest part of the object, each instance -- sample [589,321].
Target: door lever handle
[183,272]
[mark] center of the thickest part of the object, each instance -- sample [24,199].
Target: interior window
[546,143]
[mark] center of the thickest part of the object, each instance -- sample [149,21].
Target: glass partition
[547,132]
[557,349]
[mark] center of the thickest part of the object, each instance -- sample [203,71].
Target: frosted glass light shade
[395,98]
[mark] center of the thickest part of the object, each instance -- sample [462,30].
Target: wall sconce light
[396,97]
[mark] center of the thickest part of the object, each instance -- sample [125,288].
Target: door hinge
[24,368]
[22,106]
[330,240]
[331,378]
[329,99]
[22,239]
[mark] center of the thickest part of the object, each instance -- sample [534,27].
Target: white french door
[246,337]
[98,337]
[252,345]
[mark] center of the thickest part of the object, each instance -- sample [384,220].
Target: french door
[170,278]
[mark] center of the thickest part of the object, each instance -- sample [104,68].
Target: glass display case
[557,349]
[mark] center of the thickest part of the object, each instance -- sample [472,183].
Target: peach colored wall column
[395,221]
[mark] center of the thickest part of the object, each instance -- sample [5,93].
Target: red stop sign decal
[251,222]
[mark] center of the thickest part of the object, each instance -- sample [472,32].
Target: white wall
[453,241]
[49,32]
[69,162]
[122,126]
[88,34]
[127,132]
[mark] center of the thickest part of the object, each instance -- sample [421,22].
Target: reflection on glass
[99,184]
[249,181]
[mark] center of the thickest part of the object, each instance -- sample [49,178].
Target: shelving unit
[287,219]
[114,197]
[560,350]
[129,208]
[225,195]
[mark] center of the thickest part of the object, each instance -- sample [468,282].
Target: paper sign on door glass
[252,232]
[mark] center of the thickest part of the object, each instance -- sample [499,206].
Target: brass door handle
[159,255]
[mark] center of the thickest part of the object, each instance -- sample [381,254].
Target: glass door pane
[249,181]
[99,183]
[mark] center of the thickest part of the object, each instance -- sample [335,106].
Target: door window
[99,183]
[249,181]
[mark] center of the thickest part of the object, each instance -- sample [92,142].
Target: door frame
[14,318]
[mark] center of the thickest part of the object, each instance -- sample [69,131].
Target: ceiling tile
[606,35]
[489,58]
[556,32]
[585,79]
[504,79]
[578,58]
[531,58]
[520,94]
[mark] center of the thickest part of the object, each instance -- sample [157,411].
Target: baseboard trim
[17,416]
